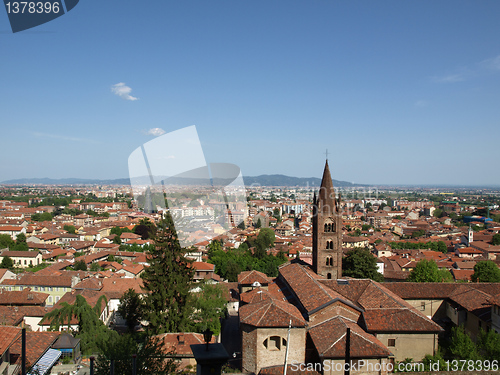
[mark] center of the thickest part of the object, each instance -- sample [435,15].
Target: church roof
[308,289]
[250,277]
[329,338]
[271,313]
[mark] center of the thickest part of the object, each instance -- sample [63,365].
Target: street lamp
[207,336]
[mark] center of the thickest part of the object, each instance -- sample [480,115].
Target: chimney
[181,339]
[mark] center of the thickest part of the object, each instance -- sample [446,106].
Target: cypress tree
[167,280]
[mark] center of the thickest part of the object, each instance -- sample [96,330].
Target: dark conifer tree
[167,281]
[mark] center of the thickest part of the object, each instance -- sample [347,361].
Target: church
[319,306]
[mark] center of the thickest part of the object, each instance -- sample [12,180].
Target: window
[329,276]
[50,299]
[422,306]
[391,342]
[274,343]
[57,299]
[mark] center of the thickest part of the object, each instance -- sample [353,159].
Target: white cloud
[63,137]
[156,132]
[421,103]
[123,91]
[451,78]
[493,63]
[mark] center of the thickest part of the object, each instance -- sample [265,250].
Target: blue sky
[399,92]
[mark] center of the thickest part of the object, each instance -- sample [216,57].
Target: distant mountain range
[263,180]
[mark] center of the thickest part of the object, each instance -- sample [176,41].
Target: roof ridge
[389,295]
[267,309]
[335,343]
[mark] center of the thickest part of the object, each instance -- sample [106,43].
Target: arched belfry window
[326,227]
[331,262]
[329,276]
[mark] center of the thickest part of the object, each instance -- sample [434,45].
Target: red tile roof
[329,338]
[249,277]
[271,313]
[9,336]
[180,343]
[398,320]
[37,344]
[22,297]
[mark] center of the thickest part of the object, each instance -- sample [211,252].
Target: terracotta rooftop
[22,297]
[255,295]
[307,288]
[398,320]
[180,343]
[37,344]
[271,313]
[249,277]
[329,338]
[9,336]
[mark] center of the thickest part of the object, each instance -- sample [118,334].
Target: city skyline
[399,93]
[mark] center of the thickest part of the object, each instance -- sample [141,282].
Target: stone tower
[327,230]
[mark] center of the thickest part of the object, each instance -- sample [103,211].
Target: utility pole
[287,346]
[347,365]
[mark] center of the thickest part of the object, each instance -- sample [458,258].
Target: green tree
[496,239]
[486,271]
[80,265]
[167,280]
[437,212]
[232,271]
[441,246]
[90,328]
[258,224]
[95,267]
[361,264]
[488,344]
[151,357]
[146,229]
[427,271]
[130,309]
[209,307]
[20,244]
[6,241]
[461,345]
[241,225]
[7,263]
[70,229]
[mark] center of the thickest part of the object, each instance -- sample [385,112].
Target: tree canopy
[209,307]
[131,308]
[486,271]
[168,280]
[427,271]
[361,264]
[7,263]
[90,328]
[496,239]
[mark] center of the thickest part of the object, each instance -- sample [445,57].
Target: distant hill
[263,180]
[282,180]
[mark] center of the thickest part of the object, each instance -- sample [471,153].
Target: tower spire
[326,196]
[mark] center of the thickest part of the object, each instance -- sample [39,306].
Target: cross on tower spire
[326,153]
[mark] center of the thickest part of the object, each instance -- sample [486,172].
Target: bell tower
[327,230]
